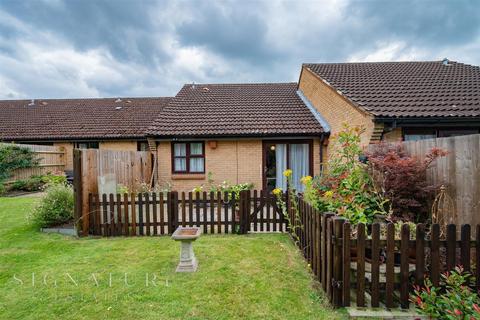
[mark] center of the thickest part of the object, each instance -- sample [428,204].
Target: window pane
[196,148]
[456,132]
[196,164]
[180,149]
[416,137]
[299,163]
[180,164]
[142,146]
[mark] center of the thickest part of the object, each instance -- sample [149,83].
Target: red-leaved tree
[403,180]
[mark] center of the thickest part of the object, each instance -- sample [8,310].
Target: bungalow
[253,132]
[396,101]
[242,133]
[113,123]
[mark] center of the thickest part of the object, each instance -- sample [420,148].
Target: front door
[282,155]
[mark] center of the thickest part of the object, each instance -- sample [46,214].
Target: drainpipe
[322,137]
[153,146]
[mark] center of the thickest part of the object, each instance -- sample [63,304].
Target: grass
[260,276]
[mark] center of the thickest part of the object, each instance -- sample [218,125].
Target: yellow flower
[197,189]
[277,191]
[328,194]
[306,179]
[287,173]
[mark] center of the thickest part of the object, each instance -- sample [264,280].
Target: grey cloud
[252,40]
[237,30]
[124,27]
[434,23]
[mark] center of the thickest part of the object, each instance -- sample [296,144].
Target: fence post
[288,212]
[323,248]
[80,213]
[175,220]
[172,208]
[248,199]
[337,280]
[242,209]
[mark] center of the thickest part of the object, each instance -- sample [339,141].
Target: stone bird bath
[186,235]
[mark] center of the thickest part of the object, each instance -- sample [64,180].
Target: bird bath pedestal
[186,235]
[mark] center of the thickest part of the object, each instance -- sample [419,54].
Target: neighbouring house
[241,133]
[110,123]
[396,101]
[251,133]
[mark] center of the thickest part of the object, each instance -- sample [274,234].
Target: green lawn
[239,277]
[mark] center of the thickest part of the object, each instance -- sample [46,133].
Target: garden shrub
[452,300]
[345,187]
[233,190]
[293,224]
[3,189]
[56,207]
[37,182]
[14,157]
[403,180]
[54,178]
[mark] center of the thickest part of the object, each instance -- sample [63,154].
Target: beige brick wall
[237,161]
[118,145]
[316,156]
[335,109]
[393,136]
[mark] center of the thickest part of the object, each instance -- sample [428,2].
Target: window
[282,155]
[418,134]
[86,145]
[188,157]
[142,146]
[414,134]
[456,132]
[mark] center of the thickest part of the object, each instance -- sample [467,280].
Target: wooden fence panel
[52,159]
[130,169]
[459,170]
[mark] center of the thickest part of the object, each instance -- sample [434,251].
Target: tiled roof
[236,110]
[78,118]
[406,89]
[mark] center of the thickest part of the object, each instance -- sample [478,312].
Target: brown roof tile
[236,110]
[407,89]
[53,119]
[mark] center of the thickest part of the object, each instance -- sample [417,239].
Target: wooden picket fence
[380,271]
[161,213]
[363,266]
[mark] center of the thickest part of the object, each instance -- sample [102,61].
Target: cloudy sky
[60,48]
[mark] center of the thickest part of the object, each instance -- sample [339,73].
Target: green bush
[345,187]
[50,179]
[3,189]
[18,185]
[14,157]
[36,183]
[453,299]
[56,207]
